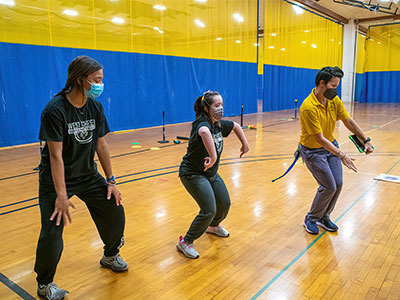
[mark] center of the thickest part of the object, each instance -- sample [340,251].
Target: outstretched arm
[354,128]
[242,138]
[324,142]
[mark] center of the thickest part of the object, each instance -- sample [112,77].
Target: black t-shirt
[193,161]
[78,129]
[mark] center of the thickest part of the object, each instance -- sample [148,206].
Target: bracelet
[340,152]
[111,180]
[367,140]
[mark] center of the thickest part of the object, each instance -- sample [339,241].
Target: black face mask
[330,93]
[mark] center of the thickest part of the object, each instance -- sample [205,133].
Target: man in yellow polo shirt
[319,149]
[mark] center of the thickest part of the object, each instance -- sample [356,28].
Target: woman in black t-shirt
[74,126]
[198,170]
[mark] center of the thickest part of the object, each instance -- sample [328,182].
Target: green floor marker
[135,143]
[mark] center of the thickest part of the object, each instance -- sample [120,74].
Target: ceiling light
[238,17]
[303,42]
[7,2]
[70,12]
[201,1]
[273,34]
[199,23]
[297,9]
[117,20]
[282,49]
[271,47]
[306,31]
[313,45]
[256,44]
[158,29]
[332,40]
[219,38]
[238,42]
[159,7]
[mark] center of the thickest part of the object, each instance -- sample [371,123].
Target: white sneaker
[186,249]
[115,263]
[51,291]
[218,231]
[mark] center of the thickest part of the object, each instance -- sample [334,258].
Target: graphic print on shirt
[217,137]
[82,130]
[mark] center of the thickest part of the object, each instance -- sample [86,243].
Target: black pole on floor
[295,108]
[163,120]
[241,117]
[182,138]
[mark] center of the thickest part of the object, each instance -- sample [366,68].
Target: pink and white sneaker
[186,249]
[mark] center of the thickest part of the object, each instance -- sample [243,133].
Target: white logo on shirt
[217,137]
[82,130]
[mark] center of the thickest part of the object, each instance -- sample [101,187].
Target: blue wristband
[111,179]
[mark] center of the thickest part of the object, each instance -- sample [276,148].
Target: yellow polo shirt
[316,118]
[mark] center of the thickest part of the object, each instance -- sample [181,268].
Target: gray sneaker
[218,231]
[186,249]
[51,291]
[115,263]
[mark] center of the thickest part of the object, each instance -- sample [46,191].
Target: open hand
[112,189]
[61,210]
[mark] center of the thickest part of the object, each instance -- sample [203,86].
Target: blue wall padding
[379,87]
[260,84]
[360,87]
[138,87]
[282,85]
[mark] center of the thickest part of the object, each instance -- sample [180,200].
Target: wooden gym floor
[267,256]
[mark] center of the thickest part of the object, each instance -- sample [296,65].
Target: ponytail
[63,91]
[78,70]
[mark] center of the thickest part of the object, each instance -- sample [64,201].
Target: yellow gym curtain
[302,39]
[296,44]
[383,48]
[381,66]
[188,28]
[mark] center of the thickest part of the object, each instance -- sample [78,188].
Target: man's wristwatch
[367,140]
[111,180]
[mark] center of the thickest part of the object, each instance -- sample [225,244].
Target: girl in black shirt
[198,170]
[74,128]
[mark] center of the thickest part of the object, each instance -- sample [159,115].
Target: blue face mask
[95,90]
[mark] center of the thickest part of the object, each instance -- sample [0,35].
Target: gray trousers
[213,199]
[327,170]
